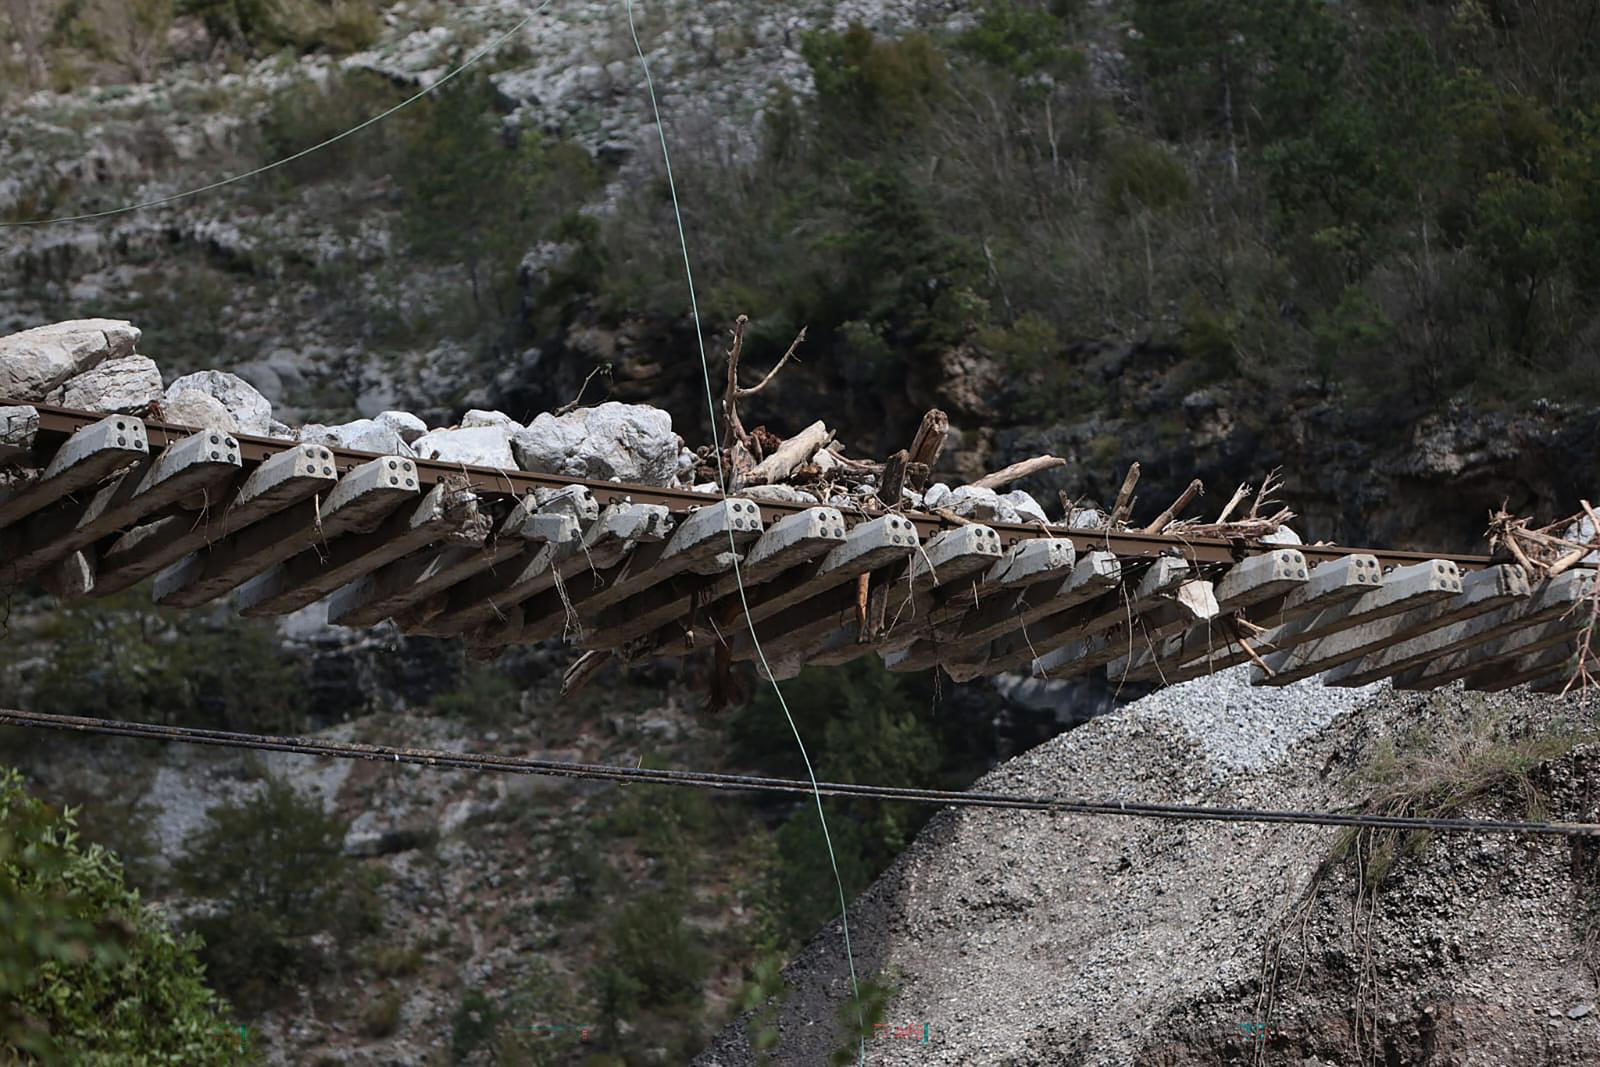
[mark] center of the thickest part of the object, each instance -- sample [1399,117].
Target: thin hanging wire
[494,43]
[722,480]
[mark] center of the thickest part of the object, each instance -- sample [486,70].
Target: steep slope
[1022,938]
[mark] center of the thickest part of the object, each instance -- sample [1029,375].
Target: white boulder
[200,410]
[404,424]
[974,502]
[252,413]
[1581,533]
[785,493]
[476,446]
[34,362]
[362,435]
[1282,536]
[1088,519]
[479,417]
[125,385]
[936,496]
[630,442]
[18,427]
[1023,504]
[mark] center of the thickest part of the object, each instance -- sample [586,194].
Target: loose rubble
[1037,938]
[91,365]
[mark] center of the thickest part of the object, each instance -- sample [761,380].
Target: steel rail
[57,423]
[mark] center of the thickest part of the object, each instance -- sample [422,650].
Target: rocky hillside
[1103,230]
[1048,287]
[1012,937]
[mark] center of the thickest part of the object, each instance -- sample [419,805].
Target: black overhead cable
[710,780]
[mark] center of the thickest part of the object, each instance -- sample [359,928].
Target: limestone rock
[477,446]
[125,385]
[403,423]
[631,442]
[251,412]
[203,411]
[937,496]
[784,493]
[1088,519]
[479,417]
[34,362]
[974,502]
[1024,505]
[18,426]
[363,435]
[1282,536]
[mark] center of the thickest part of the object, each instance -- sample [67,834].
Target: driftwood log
[1006,475]
[927,446]
[1184,499]
[790,454]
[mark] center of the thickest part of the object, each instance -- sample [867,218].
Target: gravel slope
[1025,938]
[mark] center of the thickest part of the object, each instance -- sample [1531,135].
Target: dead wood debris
[811,466]
[1541,553]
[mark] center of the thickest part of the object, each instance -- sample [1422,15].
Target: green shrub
[483,697]
[474,1023]
[1142,174]
[381,1017]
[88,973]
[274,868]
[336,26]
[651,959]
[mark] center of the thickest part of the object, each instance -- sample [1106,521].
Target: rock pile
[92,365]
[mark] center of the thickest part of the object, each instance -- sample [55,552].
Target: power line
[407,102]
[503,764]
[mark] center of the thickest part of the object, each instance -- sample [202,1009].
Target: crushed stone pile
[92,365]
[1031,938]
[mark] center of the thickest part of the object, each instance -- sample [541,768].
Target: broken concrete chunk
[251,412]
[363,435]
[35,362]
[479,417]
[631,442]
[406,425]
[476,446]
[199,410]
[125,385]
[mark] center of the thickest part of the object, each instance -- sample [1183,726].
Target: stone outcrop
[35,362]
[126,385]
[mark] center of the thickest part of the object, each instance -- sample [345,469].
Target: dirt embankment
[1025,938]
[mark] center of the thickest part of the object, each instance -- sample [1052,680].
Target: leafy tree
[88,973]
[274,868]
[479,194]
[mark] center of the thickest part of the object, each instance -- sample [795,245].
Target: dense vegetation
[675,906]
[89,974]
[1395,197]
